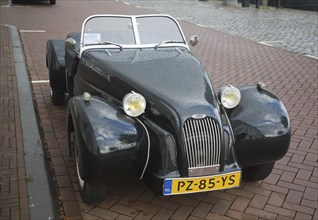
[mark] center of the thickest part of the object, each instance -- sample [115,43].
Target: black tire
[52,2]
[259,172]
[57,97]
[90,192]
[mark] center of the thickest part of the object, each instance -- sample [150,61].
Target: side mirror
[194,40]
[70,43]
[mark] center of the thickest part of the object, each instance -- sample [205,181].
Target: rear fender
[261,127]
[55,61]
[108,139]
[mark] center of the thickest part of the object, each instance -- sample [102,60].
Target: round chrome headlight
[230,96]
[134,104]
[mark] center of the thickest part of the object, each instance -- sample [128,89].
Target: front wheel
[259,172]
[52,2]
[90,192]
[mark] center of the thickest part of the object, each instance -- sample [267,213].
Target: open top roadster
[142,106]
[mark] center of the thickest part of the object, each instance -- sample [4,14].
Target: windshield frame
[136,34]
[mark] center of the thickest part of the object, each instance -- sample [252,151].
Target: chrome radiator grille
[202,142]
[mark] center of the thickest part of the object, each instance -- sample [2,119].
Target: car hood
[172,80]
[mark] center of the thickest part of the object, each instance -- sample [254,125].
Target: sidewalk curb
[42,204]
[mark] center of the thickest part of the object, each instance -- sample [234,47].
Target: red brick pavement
[290,192]
[13,178]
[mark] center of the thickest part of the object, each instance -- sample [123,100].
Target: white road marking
[269,43]
[201,25]
[39,81]
[311,56]
[32,31]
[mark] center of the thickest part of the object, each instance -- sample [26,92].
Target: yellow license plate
[201,184]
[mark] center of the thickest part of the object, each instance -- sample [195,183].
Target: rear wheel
[57,96]
[259,172]
[90,192]
[52,2]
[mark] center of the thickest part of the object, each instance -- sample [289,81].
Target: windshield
[130,30]
[153,30]
[108,29]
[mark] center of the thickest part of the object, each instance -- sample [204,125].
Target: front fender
[261,127]
[107,139]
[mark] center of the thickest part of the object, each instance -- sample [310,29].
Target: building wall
[311,5]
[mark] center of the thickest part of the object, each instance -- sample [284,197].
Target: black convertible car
[52,2]
[141,106]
